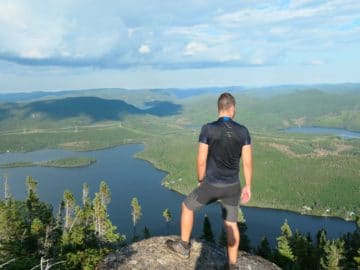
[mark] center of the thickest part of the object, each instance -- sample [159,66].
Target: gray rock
[152,254]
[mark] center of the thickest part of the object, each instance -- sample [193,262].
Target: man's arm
[247,169]
[201,161]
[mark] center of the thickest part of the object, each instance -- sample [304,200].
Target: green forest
[78,236]
[310,167]
[314,164]
[74,236]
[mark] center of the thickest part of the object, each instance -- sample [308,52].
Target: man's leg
[181,247]
[195,200]
[187,221]
[233,240]
[230,212]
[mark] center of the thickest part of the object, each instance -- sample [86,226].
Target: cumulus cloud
[114,35]
[193,48]
[317,62]
[144,49]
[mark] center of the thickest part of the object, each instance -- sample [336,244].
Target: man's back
[225,139]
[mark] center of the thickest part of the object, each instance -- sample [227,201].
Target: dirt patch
[317,152]
[283,149]
[343,147]
[76,144]
[299,121]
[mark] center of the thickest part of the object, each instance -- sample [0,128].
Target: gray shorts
[229,197]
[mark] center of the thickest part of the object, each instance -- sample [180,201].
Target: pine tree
[104,229]
[12,227]
[357,259]
[36,208]
[334,253]
[351,248]
[321,239]
[104,194]
[91,234]
[146,233]
[135,213]
[32,197]
[303,251]
[167,216]
[85,195]
[241,217]
[69,202]
[321,242]
[244,239]
[207,234]
[30,233]
[7,194]
[354,243]
[286,230]
[357,221]
[284,255]
[264,249]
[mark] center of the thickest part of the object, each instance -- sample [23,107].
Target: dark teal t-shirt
[225,138]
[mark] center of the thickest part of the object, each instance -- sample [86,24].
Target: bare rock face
[152,254]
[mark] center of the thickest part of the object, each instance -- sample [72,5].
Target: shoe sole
[177,253]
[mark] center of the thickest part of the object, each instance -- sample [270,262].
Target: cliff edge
[151,254]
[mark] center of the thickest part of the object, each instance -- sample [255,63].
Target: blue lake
[343,133]
[129,177]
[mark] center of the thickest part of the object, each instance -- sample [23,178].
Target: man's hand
[201,161]
[247,169]
[245,194]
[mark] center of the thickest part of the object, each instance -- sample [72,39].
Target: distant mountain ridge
[98,109]
[177,92]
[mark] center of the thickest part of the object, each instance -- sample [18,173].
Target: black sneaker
[231,266]
[178,248]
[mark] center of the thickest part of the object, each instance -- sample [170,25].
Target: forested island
[71,162]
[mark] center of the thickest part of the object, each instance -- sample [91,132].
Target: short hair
[225,101]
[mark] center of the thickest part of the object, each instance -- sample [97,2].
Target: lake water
[343,133]
[128,177]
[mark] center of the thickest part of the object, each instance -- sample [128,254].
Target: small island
[17,164]
[71,162]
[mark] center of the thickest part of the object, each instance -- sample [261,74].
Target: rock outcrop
[151,254]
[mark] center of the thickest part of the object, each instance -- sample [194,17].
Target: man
[221,145]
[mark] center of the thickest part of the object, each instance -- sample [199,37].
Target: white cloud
[69,33]
[280,30]
[314,12]
[194,48]
[317,62]
[132,31]
[144,49]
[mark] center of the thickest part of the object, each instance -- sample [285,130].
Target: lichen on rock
[152,254]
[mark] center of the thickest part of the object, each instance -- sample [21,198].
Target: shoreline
[157,167]
[153,163]
[282,209]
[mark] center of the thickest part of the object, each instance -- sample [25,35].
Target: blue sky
[57,45]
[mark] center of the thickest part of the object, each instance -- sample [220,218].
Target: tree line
[75,236]
[296,251]
[78,236]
